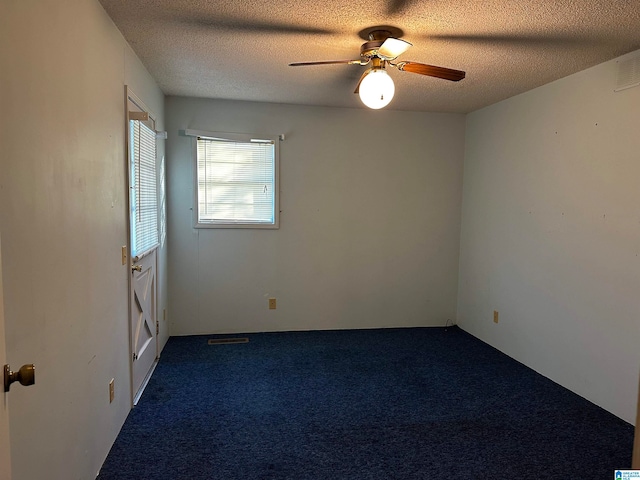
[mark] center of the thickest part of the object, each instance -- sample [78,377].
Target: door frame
[134,103]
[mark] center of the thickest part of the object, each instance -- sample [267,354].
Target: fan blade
[366,72]
[198,19]
[397,6]
[329,62]
[517,40]
[393,48]
[431,71]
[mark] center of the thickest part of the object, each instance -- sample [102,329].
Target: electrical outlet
[495,316]
[272,304]
[112,391]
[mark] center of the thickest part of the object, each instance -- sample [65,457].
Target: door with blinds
[636,443]
[5,457]
[143,216]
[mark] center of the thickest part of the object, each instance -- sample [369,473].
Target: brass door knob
[26,376]
[136,268]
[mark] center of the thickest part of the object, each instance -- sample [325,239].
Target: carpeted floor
[416,403]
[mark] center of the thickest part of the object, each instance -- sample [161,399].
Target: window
[143,181]
[237,181]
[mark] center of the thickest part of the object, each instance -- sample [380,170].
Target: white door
[636,445]
[5,453]
[143,224]
[143,319]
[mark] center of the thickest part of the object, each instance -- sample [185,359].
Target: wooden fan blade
[431,71]
[517,40]
[397,6]
[366,72]
[329,62]
[208,21]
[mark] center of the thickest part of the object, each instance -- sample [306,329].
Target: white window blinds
[143,188]
[236,182]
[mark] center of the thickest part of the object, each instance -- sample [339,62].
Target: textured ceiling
[241,49]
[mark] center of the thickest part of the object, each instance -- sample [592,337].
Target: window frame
[137,110]
[244,138]
[138,177]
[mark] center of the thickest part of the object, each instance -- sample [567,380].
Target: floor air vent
[227,341]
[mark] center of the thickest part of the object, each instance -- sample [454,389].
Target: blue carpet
[416,403]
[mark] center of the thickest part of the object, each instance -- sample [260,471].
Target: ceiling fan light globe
[393,48]
[377,89]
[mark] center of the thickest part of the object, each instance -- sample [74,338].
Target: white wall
[551,234]
[369,225]
[63,67]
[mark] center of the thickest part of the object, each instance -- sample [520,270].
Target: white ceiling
[241,49]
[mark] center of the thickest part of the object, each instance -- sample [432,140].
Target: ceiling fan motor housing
[370,49]
[376,39]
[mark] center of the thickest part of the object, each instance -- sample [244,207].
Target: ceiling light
[392,48]
[376,89]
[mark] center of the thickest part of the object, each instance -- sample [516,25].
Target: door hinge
[157,328]
[135,356]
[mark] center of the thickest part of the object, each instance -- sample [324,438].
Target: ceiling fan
[382,48]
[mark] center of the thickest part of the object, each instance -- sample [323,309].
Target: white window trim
[152,237]
[134,104]
[240,137]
